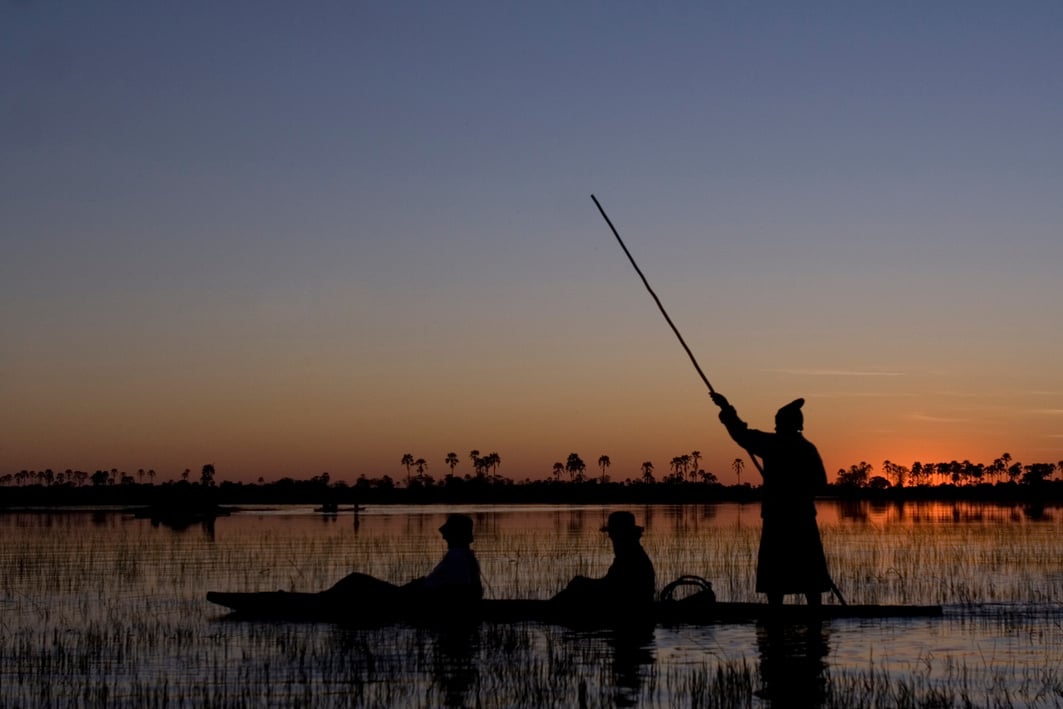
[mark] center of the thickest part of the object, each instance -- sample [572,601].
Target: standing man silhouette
[791,558]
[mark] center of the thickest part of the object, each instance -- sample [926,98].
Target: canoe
[284,605]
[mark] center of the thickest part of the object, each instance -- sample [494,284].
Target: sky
[294,238]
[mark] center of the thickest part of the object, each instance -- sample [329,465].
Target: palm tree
[684,463]
[477,462]
[603,465]
[736,465]
[452,461]
[674,464]
[559,468]
[407,461]
[706,477]
[647,471]
[575,466]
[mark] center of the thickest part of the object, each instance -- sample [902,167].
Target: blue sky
[289,238]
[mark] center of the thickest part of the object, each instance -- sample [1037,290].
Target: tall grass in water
[112,613]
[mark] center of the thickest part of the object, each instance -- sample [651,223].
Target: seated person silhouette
[629,584]
[454,580]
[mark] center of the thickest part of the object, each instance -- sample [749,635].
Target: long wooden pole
[657,300]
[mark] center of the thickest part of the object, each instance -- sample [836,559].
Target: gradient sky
[289,238]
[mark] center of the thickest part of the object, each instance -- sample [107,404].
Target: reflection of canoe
[331,509]
[179,516]
[282,605]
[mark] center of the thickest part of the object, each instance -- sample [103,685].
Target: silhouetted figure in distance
[791,558]
[629,584]
[454,580]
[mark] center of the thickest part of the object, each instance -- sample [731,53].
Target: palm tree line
[683,468]
[99,478]
[953,472]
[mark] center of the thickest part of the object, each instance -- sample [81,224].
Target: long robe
[790,559]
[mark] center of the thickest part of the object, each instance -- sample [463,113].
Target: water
[102,609]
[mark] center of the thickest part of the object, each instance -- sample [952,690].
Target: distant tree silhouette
[856,476]
[898,474]
[695,458]
[737,465]
[559,468]
[678,467]
[407,461]
[603,465]
[451,461]
[680,464]
[575,466]
[647,471]
[1037,473]
[206,476]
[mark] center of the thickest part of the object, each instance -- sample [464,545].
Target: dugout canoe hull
[283,605]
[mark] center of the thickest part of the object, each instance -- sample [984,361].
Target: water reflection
[956,512]
[454,666]
[633,659]
[792,663]
[628,652]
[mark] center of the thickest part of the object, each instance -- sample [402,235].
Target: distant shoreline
[196,496]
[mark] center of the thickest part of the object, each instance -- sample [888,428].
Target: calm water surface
[102,609]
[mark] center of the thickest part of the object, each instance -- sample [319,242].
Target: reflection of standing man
[793,663]
[791,558]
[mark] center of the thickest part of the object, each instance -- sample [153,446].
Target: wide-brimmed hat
[461,524]
[622,523]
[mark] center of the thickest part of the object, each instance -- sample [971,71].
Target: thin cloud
[936,419]
[836,373]
[868,395]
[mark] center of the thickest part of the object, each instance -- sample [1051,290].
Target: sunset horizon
[289,240]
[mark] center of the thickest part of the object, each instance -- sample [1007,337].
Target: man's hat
[462,524]
[790,415]
[622,523]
